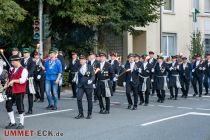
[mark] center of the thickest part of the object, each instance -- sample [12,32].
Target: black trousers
[161,94]
[18,99]
[172,91]
[101,103]
[80,93]
[74,89]
[30,98]
[39,87]
[198,80]
[131,87]
[144,96]
[185,86]
[114,84]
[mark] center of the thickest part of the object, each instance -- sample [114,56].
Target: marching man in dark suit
[153,62]
[86,76]
[174,80]
[197,73]
[74,66]
[131,82]
[105,75]
[29,64]
[144,77]
[93,62]
[161,79]
[206,82]
[115,67]
[185,72]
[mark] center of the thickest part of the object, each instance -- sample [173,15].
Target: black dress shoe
[80,116]
[36,100]
[175,98]
[29,112]
[206,93]
[200,95]
[49,107]
[105,112]
[141,103]
[54,108]
[158,100]
[194,95]
[11,126]
[146,104]
[134,108]
[101,111]
[73,96]
[129,107]
[20,126]
[89,116]
[171,97]
[41,101]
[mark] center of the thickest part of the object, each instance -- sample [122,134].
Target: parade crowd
[97,77]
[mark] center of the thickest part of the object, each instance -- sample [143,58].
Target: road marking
[165,119]
[46,113]
[200,114]
[165,106]
[205,109]
[176,116]
[181,107]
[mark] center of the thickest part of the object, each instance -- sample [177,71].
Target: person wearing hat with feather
[29,64]
[16,88]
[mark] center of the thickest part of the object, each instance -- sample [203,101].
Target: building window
[169,47]
[207,43]
[195,4]
[207,6]
[168,5]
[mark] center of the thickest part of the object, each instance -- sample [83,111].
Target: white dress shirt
[102,65]
[145,64]
[83,69]
[24,75]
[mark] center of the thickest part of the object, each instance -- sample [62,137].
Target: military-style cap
[113,54]
[15,49]
[73,53]
[26,50]
[91,53]
[174,57]
[37,53]
[102,54]
[136,55]
[151,52]
[197,55]
[15,58]
[131,55]
[82,57]
[160,57]
[53,50]
[184,58]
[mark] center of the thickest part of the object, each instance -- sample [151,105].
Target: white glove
[170,68]
[153,70]
[38,77]
[115,79]
[177,67]
[193,70]
[94,86]
[204,68]
[124,84]
[200,68]
[140,70]
[90,82]
[152,80]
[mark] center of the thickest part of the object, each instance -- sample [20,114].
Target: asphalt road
[183,119]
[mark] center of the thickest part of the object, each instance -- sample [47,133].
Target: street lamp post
[40,7]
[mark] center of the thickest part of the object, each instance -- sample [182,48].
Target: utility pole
[40,7]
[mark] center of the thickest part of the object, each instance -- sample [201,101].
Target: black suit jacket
[83,79]
[30,66]
[115,66]
[106,72]
[198,70]
[133,74]
[73,68]
[185,73]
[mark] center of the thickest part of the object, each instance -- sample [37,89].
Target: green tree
[10,14]
[197,45]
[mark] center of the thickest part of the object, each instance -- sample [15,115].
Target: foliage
[197,46]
